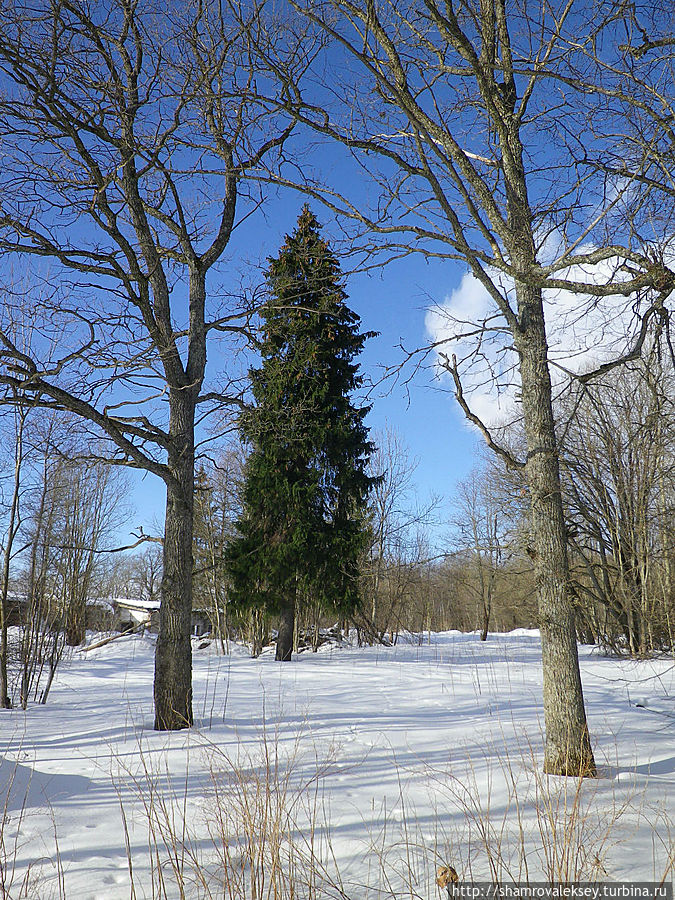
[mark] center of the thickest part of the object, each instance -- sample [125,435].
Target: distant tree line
[60,514]
[618,469]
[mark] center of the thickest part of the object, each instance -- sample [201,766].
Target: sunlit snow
[401,758]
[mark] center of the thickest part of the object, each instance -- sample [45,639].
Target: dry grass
[260,830]
[520,825]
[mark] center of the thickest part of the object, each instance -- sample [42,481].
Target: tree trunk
[257,631]
[54,658]
[12,529]
[487,608]
[76,619]
[173,654]
[5,701]
[286,629]
[568,749]
[30,637]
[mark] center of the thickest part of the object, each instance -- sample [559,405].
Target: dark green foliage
[302,531]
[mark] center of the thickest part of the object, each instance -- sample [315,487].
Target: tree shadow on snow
[22,787]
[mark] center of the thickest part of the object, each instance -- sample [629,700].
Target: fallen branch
[114,637]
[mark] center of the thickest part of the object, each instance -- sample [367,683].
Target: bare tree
[90,500]
[470,119]
[398,523]
[143,575]
[42,638]
[66,519]
[619,485]
[483,526]
[217,505]
[15,433]
[127,130]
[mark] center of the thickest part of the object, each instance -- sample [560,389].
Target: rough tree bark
[568,748]
[284,651]
[173,654]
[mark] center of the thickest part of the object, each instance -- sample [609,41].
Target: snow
[403,758]
[134,603]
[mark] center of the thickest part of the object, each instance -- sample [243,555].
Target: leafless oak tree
[127,129]
[492,132]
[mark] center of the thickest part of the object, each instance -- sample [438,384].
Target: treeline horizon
[619,489]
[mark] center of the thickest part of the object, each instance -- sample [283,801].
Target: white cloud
[582,331]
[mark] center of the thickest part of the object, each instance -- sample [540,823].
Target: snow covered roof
[135,603]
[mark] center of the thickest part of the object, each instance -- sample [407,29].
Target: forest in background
[432,564]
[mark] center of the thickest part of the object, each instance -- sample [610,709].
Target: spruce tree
[303,526]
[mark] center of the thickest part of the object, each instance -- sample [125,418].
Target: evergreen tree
[303,525]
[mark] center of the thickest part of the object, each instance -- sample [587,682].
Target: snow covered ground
[377,764]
